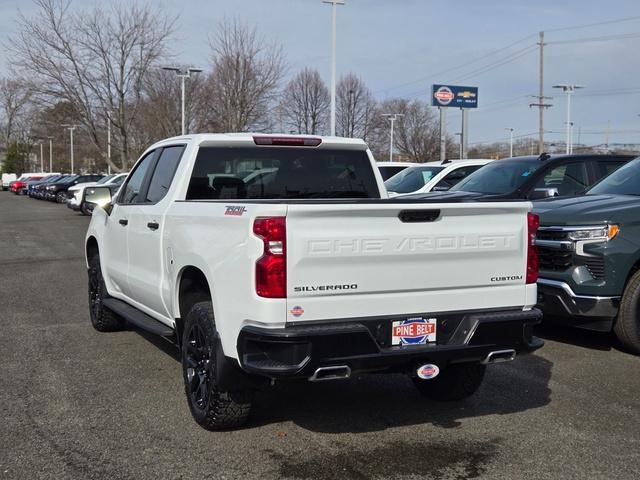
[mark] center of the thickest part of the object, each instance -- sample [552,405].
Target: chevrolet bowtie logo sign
[467,94]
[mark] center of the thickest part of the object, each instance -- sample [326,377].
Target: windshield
[105,179]
[118,180]
[624,181]
[69,179]
[411,179]
[503,176]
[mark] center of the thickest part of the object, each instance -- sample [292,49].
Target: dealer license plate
[413,331]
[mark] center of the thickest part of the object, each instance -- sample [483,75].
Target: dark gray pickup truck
[589,250]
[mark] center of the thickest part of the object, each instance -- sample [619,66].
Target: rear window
[281,173]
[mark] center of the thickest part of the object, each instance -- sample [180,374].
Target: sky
[401,47]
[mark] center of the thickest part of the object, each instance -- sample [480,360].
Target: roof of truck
[248,138]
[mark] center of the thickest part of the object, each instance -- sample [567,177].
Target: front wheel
[61,197]
[211,408]
[455,382]
[102,319]
[627,326]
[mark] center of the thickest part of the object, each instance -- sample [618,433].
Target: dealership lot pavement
[75,403]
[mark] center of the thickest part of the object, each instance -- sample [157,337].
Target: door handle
[124,222]
[153,225]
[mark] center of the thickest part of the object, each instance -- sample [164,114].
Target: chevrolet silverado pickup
[589,250]
[269,258]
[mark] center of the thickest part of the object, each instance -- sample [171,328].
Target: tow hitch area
[428,371]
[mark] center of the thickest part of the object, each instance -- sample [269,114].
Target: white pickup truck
[267,258]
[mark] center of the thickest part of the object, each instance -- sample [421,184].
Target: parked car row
[62,188]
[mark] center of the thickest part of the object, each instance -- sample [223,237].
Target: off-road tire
[627,326]
[102,319]
[211,408]
[455,382]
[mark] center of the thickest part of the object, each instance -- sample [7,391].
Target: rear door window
[164,172]
[452,178]
[567,178]
[281,173]
[606,168]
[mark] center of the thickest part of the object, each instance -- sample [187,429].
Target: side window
[606,168]
[454,177]
[568,179]
[163,173]
[131,189]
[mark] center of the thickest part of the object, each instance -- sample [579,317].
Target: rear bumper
[362,345]
[561,304]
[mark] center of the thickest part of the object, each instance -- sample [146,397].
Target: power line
[456,67]
[604,38]
[493,66]
[588,25]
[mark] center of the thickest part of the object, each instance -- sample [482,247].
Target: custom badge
[297,311]
[234,210]
[428,371]
[413,331]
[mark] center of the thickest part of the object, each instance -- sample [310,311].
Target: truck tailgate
[375,259]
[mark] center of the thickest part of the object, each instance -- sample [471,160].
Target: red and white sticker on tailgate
[413,331]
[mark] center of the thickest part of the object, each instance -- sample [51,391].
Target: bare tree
[14,97]
[243,86]
[96,60]
[305,103]
[355,108]
[416,133]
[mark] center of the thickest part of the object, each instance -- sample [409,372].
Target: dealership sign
[454,96]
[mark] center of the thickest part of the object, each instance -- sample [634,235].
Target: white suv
[431,176]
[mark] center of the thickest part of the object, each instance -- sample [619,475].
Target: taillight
[288,141]
[533,222]
[271,267]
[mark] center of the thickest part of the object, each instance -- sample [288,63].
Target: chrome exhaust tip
[337,372]
[499,356]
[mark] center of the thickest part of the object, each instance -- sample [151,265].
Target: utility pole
[510,141]
[334,4]
[392,117]
[568,89]
[183,74]
[606,138]
[71,128]
[540,97]
[459,134]
[50,154]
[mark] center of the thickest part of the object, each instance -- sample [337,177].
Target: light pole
[41,158]
[568,89]
[183,74]
[459,134]
[50,154]
[392,117]
[108,143]
[510,141]
[333,3]
[71,128]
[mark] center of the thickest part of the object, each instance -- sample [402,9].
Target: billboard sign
[454,96]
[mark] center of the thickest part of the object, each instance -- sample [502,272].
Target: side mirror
[540,193]
[98,196]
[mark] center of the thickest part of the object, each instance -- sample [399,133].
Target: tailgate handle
[418,216]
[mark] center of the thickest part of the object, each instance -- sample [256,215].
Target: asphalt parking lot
[75,403]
